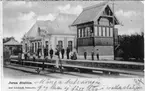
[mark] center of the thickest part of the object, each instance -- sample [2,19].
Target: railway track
[107,67]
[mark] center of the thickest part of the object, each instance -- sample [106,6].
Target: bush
[132,46]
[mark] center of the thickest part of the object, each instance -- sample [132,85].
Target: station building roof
[92,13]
[56,27]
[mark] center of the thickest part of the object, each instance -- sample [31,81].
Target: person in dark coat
[44,52]
[62,53]
[51,53]
[25,55]
[85,55]
[92,54]
[19,56]
[97,54]
[67,52]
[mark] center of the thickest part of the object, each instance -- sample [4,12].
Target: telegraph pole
[113,30]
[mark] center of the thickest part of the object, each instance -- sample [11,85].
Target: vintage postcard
[72,45]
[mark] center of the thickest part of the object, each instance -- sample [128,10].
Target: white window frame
[79,33]
[96,31]
[111,32]
[107,30]
[104,31]
[100,31]
[82,32]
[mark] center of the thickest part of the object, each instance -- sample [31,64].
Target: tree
[132,46]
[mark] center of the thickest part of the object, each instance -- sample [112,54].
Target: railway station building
[95,30]
[45,35]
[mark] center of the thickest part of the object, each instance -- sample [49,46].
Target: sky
[19,16]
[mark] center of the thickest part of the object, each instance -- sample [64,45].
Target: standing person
[25,55]
[92,54]
[39,54]
[51,53]
[67,52]
[34,57]
[85,55]
[28,55]
[45,52]
[62,53]
[97,54]
[22,58]
[57,58]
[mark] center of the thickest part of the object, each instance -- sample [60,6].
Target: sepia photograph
[73,39]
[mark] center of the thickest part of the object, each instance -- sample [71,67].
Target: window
[103,31]
[107,29]
[35,47]
[89,32]
[96,31]
[78,33]
[38,45]
[86,32]
[100,31]
[82,32]
[111,32]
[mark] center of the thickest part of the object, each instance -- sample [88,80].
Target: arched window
[35,47]
[38,45]
[32,47]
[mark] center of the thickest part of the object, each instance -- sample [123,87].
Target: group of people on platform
[59,52]
[92,54]
[70,54]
